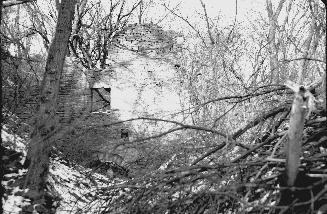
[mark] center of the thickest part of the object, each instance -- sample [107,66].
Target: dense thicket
[224,150]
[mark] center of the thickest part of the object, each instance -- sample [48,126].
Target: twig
[241,131]
[187,22]
[210,152]
[304,58]
[276,159]
[268,140]
[182,125]
[259,119]
[277,145]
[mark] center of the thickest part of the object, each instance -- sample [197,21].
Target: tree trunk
[2,189]
[37,159]
[295,133]
[273,48]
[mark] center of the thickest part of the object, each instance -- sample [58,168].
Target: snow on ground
[12,141]
[76,186]
[13,202]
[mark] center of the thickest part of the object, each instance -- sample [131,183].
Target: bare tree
[95,31]
[273,44]
[37,158]
[40,21]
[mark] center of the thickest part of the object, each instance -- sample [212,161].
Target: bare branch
[10,3]
[304,58]
[239,133]
[207,21]
[158,135]
[187,22]
[279,8]
[260,118]
[210,152]
[131,10]
[182,125]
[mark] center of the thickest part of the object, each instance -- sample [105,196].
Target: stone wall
[148,38]
[73,99]
[74,93]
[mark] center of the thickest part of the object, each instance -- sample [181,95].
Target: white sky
[192,9]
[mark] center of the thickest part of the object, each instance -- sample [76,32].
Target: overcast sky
[192,9]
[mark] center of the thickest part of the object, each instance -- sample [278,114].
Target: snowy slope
[78,188]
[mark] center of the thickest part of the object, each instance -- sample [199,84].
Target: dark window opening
[124,133]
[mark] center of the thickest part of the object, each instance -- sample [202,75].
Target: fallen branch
[268,140]
[259,119]
[242,131]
